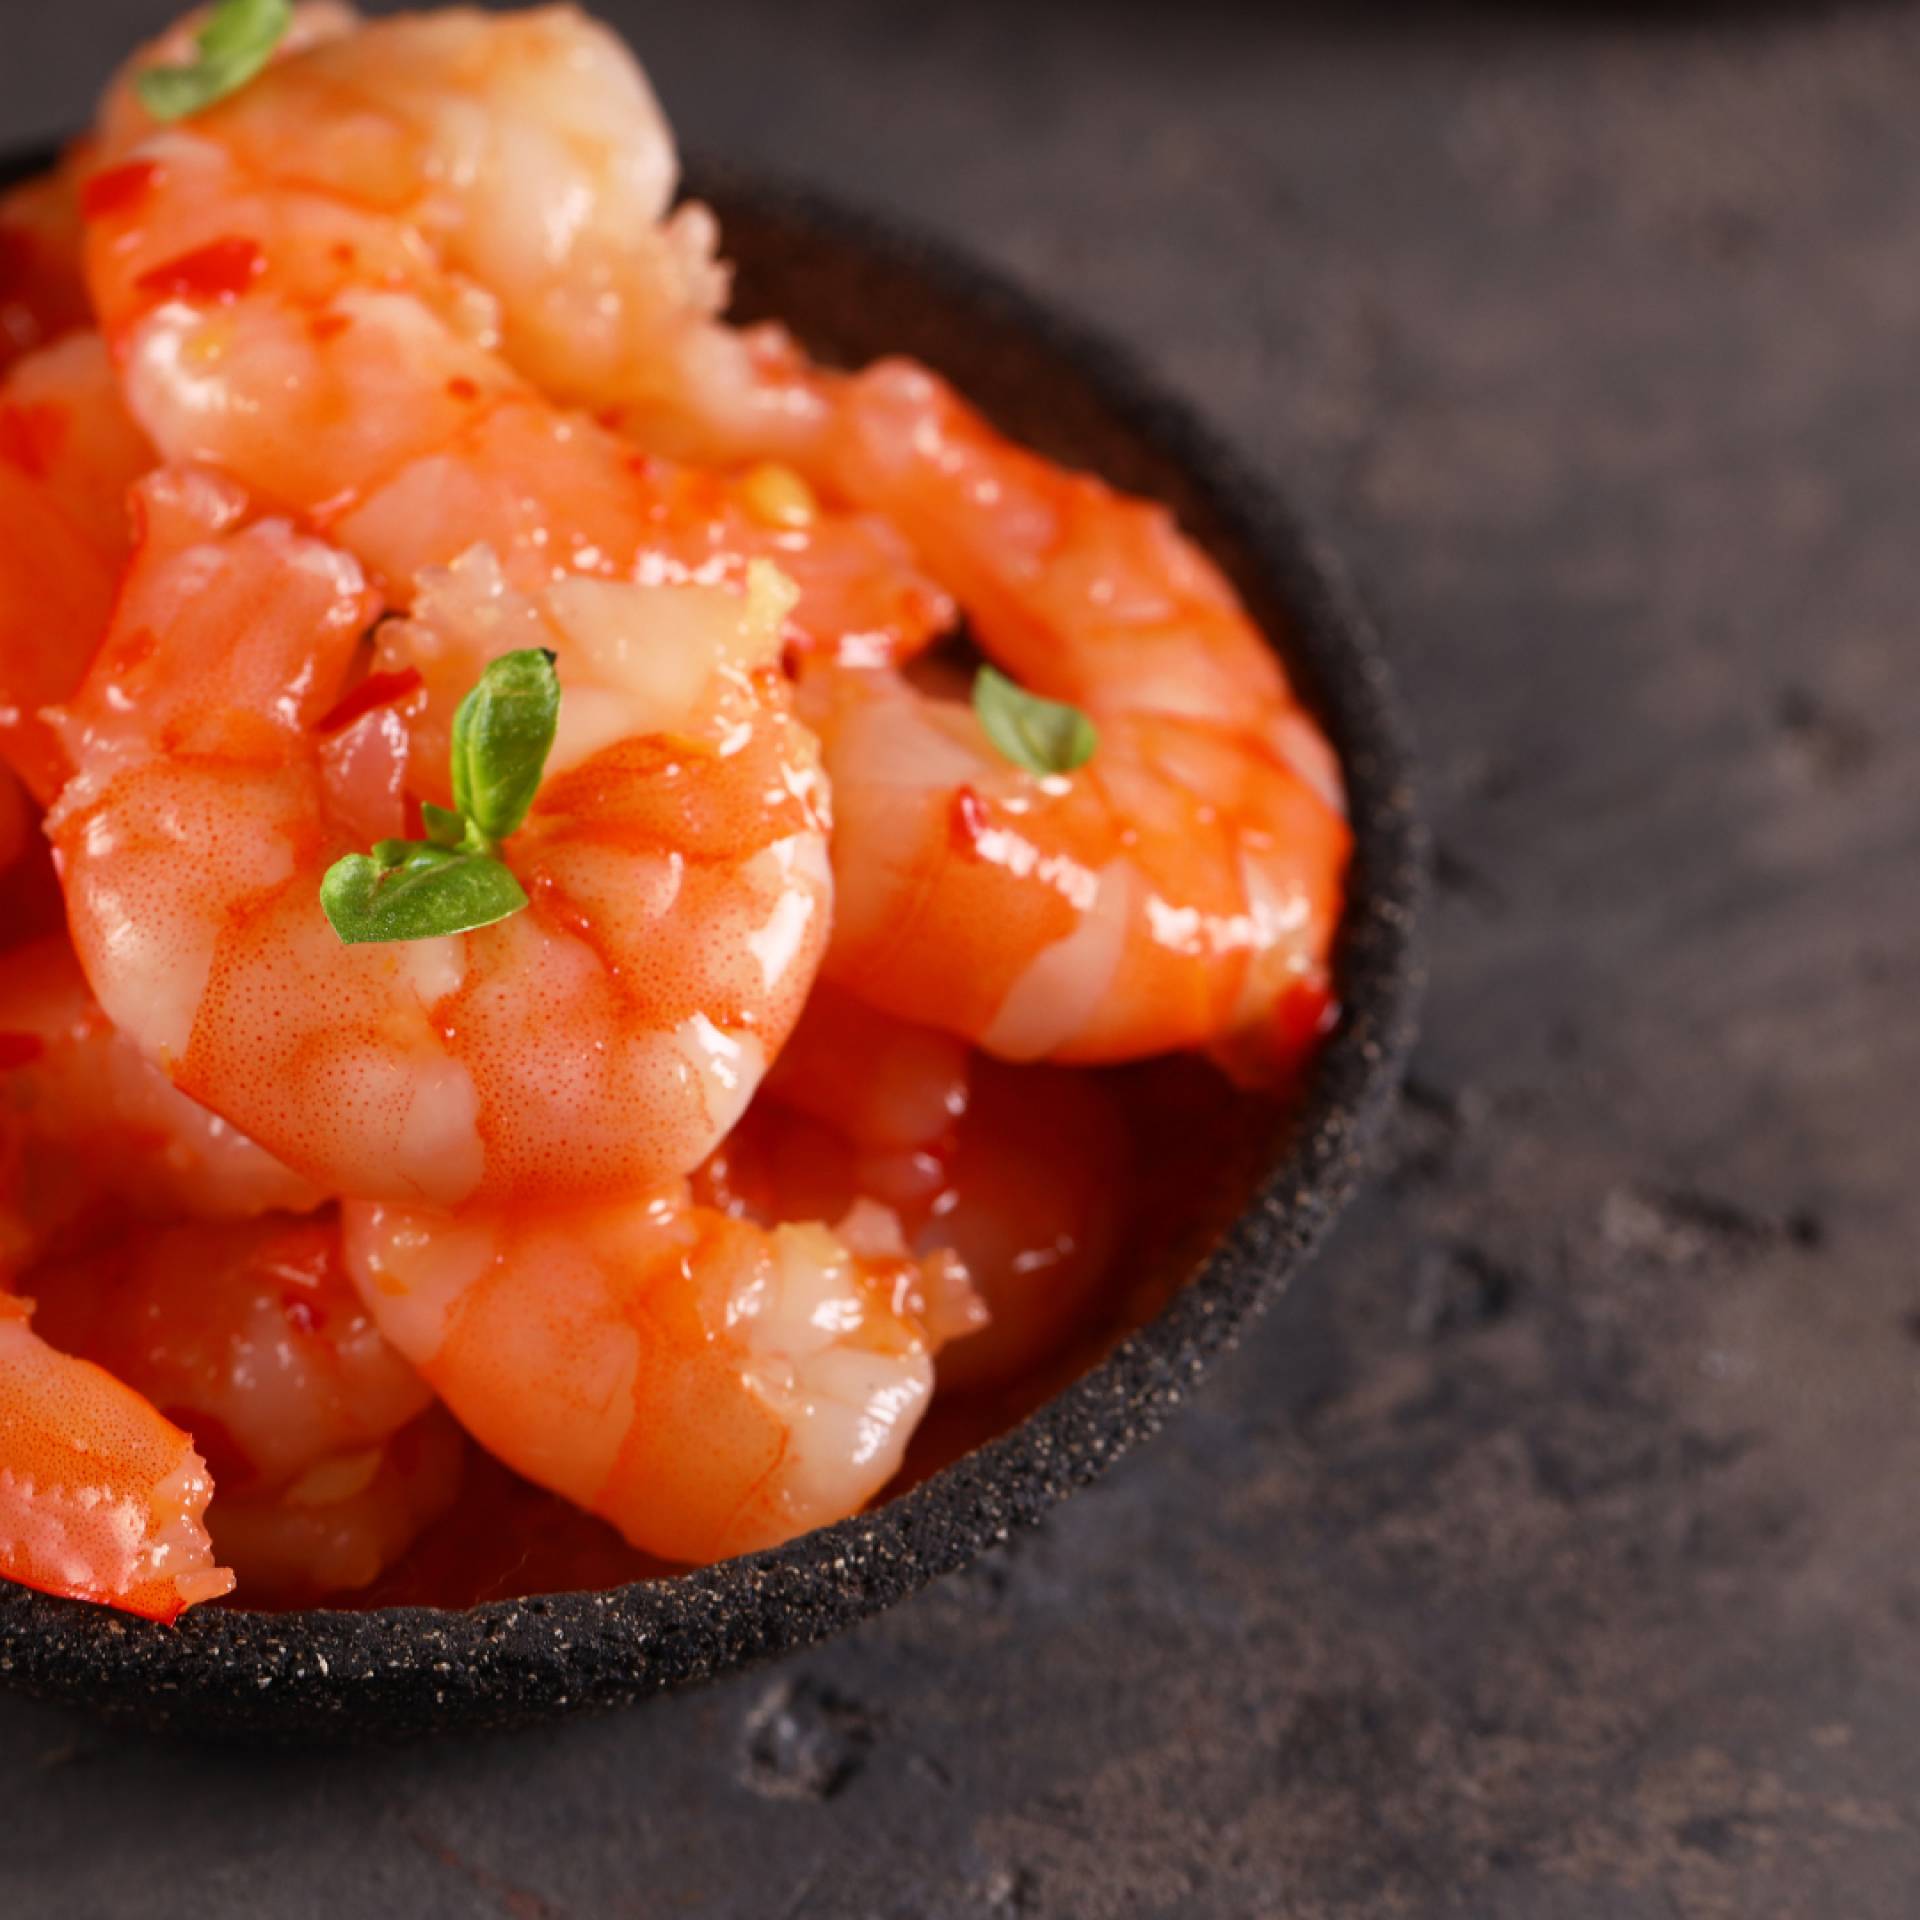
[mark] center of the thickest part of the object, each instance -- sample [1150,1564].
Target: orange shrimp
[530,153]
[90,1131]
[1018,1174]
[68,454]
[247,1334]
[707,1386]
[1181,890]
[675,862]
[100,1497]
[308,340]
[319,1436]
[345,1521]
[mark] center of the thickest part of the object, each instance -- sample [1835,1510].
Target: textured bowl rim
[408,1670]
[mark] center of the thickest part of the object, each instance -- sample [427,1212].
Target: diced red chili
[221,270]
[117,188]
[376,690]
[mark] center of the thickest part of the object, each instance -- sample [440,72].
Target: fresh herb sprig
[237,41]
[454,880]
[1044,736]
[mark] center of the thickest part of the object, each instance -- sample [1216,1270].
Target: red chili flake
[376,690]
[221,270]
[462,388]
[967,820]
[118,188]
[20,1050]
[31,436]
[343,252]
[328,326]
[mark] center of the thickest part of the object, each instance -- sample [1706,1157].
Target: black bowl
[856,288]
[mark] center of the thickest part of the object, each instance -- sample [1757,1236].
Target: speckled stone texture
[1553,1555]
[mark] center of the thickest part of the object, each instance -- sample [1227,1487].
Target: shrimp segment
[707,1387]
[91,1130]
[100,1497]
[675,859]
[530,153]
[1179,891]
[250,1337]
[1017,1174]
[346,1520]
[68,454]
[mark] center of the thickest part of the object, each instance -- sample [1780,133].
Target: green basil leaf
[237,41]
[1044,736]
[502,734]
[412,890]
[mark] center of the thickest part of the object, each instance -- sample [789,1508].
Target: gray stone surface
[1554,1553]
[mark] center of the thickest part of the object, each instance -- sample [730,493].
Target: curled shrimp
[1180,890]
[68,454]
[312,344]
[249,1336]
[474,129]
[707,1386]
[675,862]
[101,1498]
[91,1131]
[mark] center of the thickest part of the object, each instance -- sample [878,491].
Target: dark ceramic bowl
[855,288]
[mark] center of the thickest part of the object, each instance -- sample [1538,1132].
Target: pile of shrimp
[335,372]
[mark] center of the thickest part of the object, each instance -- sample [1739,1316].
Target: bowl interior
[856,289]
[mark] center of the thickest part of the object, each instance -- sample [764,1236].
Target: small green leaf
[446,828]
[1044,736]
[412,890]
[501,737]
[237,41]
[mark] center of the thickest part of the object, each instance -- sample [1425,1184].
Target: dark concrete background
[1555,1553]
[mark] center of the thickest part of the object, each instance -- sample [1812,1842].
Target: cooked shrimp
[345,1521]
[1016,1173]
[68,454]
[311,344]
[1180,890]
[530,153]
[708,1387]
[249,1335]
[43,293]
[100,1497]
[91,1131]
[675,862]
